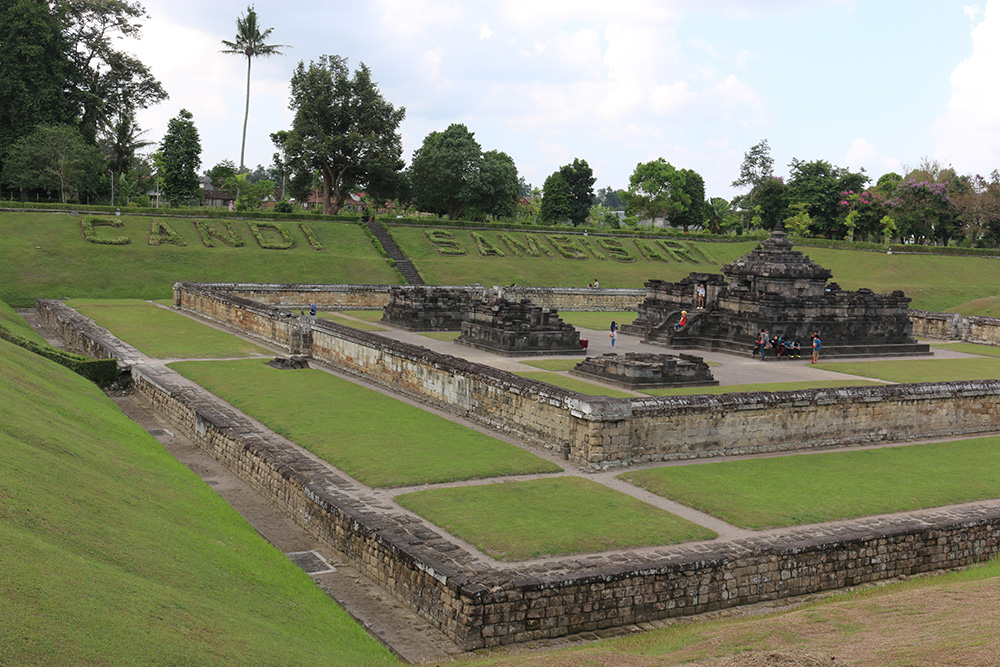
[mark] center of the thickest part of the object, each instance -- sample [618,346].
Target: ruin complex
[517,328]
[776,289]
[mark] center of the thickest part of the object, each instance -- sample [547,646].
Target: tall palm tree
[250,43]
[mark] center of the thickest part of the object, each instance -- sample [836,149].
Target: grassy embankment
[114,553]
[46,255]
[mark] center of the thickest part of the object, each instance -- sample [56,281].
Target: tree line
[68,103]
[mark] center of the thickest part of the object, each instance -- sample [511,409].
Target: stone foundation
[647,371]
[377,297]
[954,327]
[599,432]
[484,604]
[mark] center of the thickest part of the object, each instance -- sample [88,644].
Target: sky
[881,85]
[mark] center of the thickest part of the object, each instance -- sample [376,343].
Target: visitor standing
[701,296]
[763,342]
[596,283]
[817,344]
[614,333]
[312,309]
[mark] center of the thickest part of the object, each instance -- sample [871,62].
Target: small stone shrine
[638,371]
[516,329]
[426,308]
[777,289]
[293,362]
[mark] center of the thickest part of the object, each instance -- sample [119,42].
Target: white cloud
[670,97]
[485,32]
[863,154]
[969,132]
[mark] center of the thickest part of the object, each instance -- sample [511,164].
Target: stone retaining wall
[480,606]
[952,326]
[484,604]
[80,334]
[374,297]
[598,432]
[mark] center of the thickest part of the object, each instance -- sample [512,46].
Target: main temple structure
[777,289]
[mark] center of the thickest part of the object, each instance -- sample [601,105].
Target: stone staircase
[404,265]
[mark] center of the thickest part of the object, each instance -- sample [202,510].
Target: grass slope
[11,321]
[377,439]
[45,255]
[796,490]
[114,553]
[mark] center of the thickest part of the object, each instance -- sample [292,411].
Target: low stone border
[599,432]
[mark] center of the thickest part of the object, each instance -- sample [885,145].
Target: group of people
[785,348]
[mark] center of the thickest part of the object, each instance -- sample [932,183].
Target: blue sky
[878,84]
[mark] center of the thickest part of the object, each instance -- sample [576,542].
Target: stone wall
[374,297]
[481,603]
[481,606]
[80,334]
[952,326]
[598,432]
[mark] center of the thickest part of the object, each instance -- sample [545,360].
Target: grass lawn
[920,370]
[366,315]
[764,386]
[549,517]
[811,488]
[574,384]
[377,439]
[442,335]
[554,364]
[596,321]
[969,348]
[116,554]
[163,334]
[361,326]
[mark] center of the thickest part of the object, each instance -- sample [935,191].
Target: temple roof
[774,258]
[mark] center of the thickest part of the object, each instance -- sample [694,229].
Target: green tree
[800,221]
[54,158]
[694,188]
[821,184]
[180,159]
[498,185]
[720,216]
[221,173]
[557,199]
[756,170]
[104,81]
[656,190]
[251,193]
[343,128]
[35,69]
[450,175]
[580,178]
[249,43]
[123,141]
[771,204]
